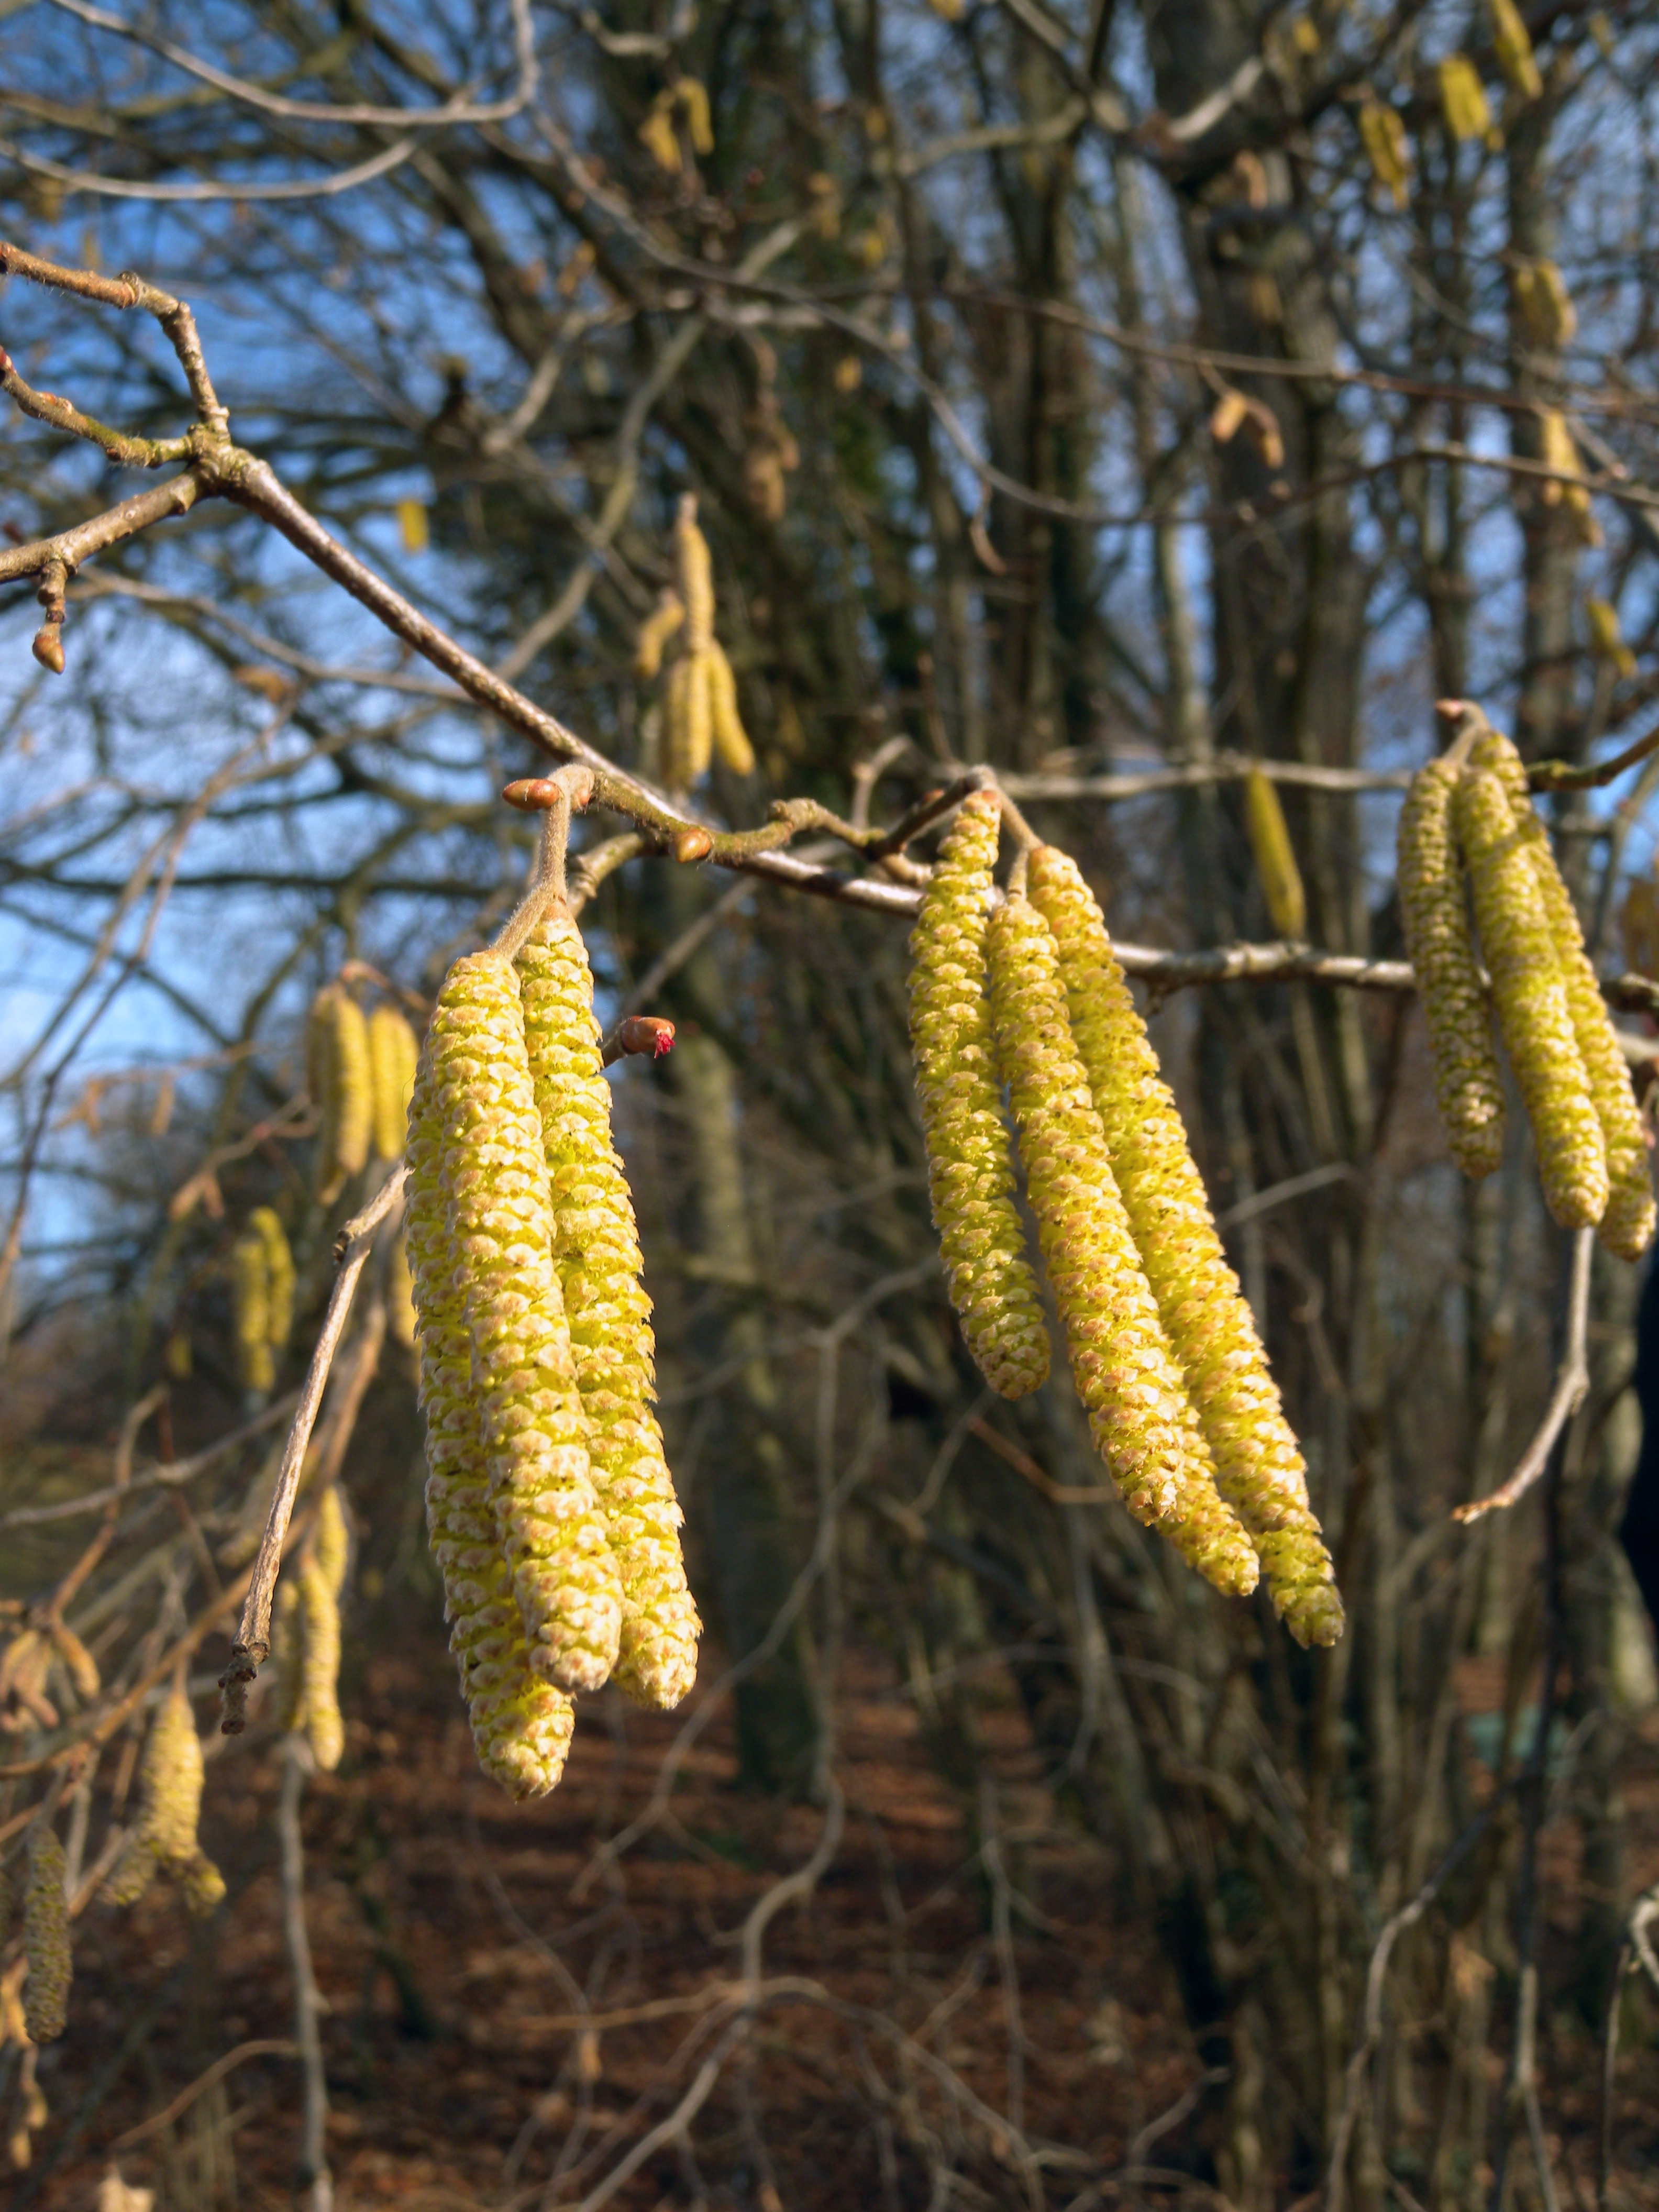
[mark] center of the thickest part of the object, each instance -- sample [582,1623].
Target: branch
[252,1640]
[1572,1380]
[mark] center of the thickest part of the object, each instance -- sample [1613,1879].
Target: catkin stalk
[969,1175]
[495,1181]
[521,1725]
[45,1938]
[1433,907]
[1533,1009]
[1259,1468]
[597,1254]
[1626,1226]
[1143,1422]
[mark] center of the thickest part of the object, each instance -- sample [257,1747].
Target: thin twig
[252,1641]
[1571,1382]
[313,2177]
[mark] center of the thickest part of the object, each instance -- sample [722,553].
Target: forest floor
[509,2012]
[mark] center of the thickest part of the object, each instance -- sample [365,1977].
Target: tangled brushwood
[550,1506]
[1471,839]
[1025,993]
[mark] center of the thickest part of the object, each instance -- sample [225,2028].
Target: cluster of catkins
[304,1643]
[1028,993]
[700,716]
[164,1840]
[359,1071]
[550,1504]
[1469,836]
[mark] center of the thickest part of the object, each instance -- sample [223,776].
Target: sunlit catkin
[45,1938]
[1433,908]
[654,632]
[1259,1468]
[1626,1227]
[320,1664]
[338,1058]
[495,1182]
[970,1174]
[279,1275]
[392,1054]
[1533,1011]
[597,1254]
[1275,857]
[165,1838]
[730,740]
[521,1725]
[1139,1413]
[250,1296]
[332,1540]
[401,1315]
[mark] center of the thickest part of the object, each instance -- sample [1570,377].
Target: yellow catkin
[654,632]
[1545,305]
[332,1540]
[165,1838]
[699,731]
[1142,1419]
[1607,641]
[287,1656]
[391,1055]
[400,1315]
[494,1176]
[1463,99]
[697,577]
[521,1725]
[1275,857]
[1512,44]
[46,1938]
[1382,134]
[731,738]
[596,1253]
[341,1087]
[320,1664]
[970,1174]
[279,1276]
[1433,907]
[1626,1226]
[692,97]
[676,709]
[1259,1466]
[1533,1011]
[250,1290]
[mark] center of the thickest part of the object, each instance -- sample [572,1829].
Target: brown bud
[693,845]
[535,795]
[645,1033]
[49,646]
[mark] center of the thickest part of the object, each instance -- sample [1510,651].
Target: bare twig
[1636,1955]
[313,2177]
[252,1641]
[1571,1382]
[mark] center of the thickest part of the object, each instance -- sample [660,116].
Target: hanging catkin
[1259,1468]
[521,1725]
[279,1276]
[400,1315]
[166,1838]
[320,1664]
[336,1057]
[45,1938]
[970,1174]
[1275,857]
[391,1055]
[1531,998]
[250,1289]
[597,1254]
[1626,1226]
[726,723]
[654,632]
[494,1177]
[1433,907]
[1141,1417]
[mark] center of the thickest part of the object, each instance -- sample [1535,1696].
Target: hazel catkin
[392,1054]
[1275,857]
[320,1664]
[1259,1468]
[1139,1413]
[1626,1226]
[250,1290]
[1433,908]
[730,740]
[1533,1011]
[338,1076]
[969,1175]
[165,1837]
[521,1724]
[279,1275]
[46,1938]
[495,1181]
[597,1254]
